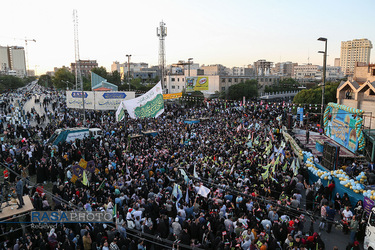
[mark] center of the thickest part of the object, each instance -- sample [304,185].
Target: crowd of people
[230,181]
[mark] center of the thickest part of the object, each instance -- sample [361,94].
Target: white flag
[203,191]
[150,104]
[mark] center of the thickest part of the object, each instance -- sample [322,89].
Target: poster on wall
[196,83]
[344,125]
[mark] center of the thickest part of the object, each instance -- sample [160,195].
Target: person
[19,191]
[353,228]
[87,241]
[307,135]
[346,216]
[330,217]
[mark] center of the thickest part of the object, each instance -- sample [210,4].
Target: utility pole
[128,56]
[78,69]
[324,77]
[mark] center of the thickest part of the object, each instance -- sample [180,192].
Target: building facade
[216,69]
[262,67]
[85,65]
[284,69]
[12,61]
[307,73]
[357,50]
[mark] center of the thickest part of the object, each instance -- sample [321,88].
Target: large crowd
[230,181]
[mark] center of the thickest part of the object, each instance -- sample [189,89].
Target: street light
[128,56]
[189,62]
[322,39]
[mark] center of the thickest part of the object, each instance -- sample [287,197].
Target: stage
[11,210]
[300,135]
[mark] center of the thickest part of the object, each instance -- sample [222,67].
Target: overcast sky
[228,32]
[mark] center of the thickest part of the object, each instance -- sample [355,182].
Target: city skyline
[234,33]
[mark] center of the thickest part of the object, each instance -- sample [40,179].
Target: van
[71,134]
[369,242]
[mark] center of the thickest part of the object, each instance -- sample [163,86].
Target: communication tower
[161,32]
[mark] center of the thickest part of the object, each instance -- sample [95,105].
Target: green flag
[265,175]
[285,166]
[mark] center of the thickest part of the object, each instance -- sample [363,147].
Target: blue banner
[117,95]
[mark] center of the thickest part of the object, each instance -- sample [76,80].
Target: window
[229,79]
[178,79]
[173,87]
[235,79]
[222,79]
[173,79]
[178,86]
[373,72]
[223,88]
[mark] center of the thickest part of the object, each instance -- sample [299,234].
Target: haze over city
[232,33]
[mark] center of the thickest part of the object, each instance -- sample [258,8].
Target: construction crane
[26,50]
[27,53]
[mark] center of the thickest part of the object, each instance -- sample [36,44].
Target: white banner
[120,113]
[98,100]
[150,104]
[74,99]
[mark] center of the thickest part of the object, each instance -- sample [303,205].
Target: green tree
[115,78]
[11,82]
[45,81]
[249,89]
[63,78]
[314,95]
[101,71]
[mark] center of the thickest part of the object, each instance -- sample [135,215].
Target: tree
[249,89]
[101,71]
[11,82]
[45,81]
[314,95]
[288,84]
[63,78]
[115,78]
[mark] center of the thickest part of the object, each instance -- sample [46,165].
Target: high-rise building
[12,61]
[263,67]
[352,52]
[85,65]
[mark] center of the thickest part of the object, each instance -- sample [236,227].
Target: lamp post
[189,62]
[128,56]
[324,75]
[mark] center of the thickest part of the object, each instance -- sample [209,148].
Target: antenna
[78,68]
[308,57]
[161,32]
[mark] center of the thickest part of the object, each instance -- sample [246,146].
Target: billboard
[98,100]
[172,96]
[344,125]
[199,83]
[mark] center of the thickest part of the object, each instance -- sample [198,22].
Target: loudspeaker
[330,156]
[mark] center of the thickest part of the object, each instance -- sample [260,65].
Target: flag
[120,112]
[293,166]
[249,144]
[272,137]
[177,191]
[150,104]
[285,166]
[84,179]
[82,163]
[203,191]
[265,175]
[186,178]
[277,160]
[187,196]
[115,211]
[195,172]
[101,185]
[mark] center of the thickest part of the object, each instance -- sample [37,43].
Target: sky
[231,33]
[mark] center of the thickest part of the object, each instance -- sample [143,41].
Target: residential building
[262,67]
[364,72]
[334,73]
[242,71]
[285,69]
[85,66]
[123,68]
[307,73]
[337,62]
[357,50]
[216,69]
[12,61]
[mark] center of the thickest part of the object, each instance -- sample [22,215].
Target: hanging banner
[172,96]
[196,83]
[150,104]
[120,112]
[109,100]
